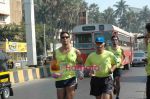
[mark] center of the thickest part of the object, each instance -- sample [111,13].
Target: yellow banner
[16,47]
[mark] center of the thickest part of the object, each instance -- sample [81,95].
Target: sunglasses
[63,37]
[114,39]
[99,43]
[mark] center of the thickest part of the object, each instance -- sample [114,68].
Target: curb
[24,75]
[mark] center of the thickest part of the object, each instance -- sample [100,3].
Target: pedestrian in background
[3,61]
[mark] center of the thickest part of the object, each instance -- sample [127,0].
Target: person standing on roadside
[101,81]
[66,55]
[118,52]
[3,61]
[147,67]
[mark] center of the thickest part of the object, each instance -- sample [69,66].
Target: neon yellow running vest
[66,59]
[147,67]
[118,54]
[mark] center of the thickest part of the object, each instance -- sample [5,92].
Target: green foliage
[64,14]
[56,14]
[108,16]
[12,32]
[94,14]
[122,8]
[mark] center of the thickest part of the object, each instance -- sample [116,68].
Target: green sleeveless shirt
[66,59]
[118,54]
[147,67]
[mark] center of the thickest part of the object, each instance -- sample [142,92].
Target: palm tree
[121,8]
[145,14]
[144,17]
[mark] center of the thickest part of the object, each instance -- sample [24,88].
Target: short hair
[148,27]
[63,32]
[114,37]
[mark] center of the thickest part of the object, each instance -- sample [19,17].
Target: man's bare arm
[79,58]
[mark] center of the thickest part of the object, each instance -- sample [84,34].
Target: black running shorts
[101,85]
[65,83]
[117,72]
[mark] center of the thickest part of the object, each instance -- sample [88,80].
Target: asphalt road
[132,87]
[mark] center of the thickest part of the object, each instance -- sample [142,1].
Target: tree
[121,8]
[132,19]
[57,14]
[108,16]
[145,14]
[12,32]
[94,14]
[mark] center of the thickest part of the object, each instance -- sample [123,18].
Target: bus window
[83,38]
[97,34]
[107,35]
[83,41]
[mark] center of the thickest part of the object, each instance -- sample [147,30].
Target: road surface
[132,87]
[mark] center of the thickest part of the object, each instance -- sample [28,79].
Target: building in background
[83,17]
[4,12]
[10,12]
[16,11]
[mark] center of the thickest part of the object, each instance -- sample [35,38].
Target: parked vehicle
[5,85]
[138,57]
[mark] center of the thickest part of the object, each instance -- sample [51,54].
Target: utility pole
[30,32]
[45,53]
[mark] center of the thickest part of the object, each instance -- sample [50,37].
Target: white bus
[84,39]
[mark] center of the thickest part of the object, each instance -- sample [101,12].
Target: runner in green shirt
[147,67]
[66,80]
[118,52]
[101,80]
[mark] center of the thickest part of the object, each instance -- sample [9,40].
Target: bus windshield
[107,35]
[83,41]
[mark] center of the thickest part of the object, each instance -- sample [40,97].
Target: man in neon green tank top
[118,52]
[147,67]
[66,55]
[101,80]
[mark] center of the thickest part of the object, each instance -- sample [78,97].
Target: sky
[104,4]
